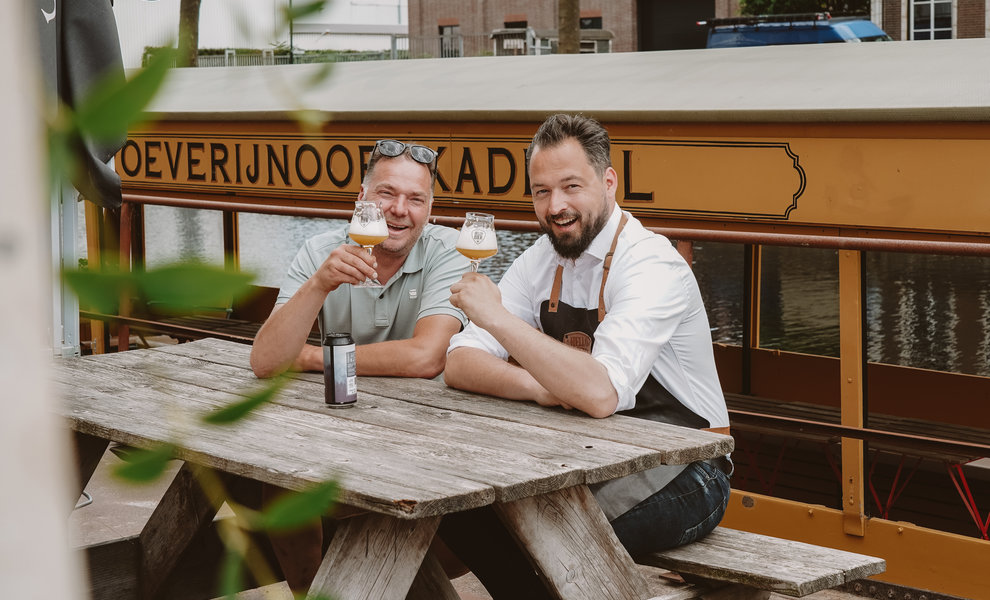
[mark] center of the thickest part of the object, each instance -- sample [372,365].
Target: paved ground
[119,510]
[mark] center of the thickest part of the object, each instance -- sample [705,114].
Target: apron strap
[608,265]
[558,276]
[555,290]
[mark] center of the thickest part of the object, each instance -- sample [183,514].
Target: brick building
[629,25]
[932,19]
[501,26]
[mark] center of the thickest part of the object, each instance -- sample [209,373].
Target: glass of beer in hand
[368,228]
[477,239]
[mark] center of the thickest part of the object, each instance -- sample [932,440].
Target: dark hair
[587,131]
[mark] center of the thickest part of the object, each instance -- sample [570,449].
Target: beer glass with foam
[367,229]
[477,238]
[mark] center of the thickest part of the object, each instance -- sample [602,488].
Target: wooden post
[231,241]
[851,354]
[37,477]
[126,223]
[753,261]
[94,218]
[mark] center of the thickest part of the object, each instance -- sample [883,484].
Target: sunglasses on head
[393,148]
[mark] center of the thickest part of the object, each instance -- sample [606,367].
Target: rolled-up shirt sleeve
[517,295]
[646,302]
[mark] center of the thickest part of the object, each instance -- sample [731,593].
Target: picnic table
[408,453]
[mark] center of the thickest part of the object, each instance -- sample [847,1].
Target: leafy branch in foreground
[180,288]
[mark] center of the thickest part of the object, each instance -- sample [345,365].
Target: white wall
[255,24]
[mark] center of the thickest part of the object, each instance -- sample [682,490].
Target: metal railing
[400,47]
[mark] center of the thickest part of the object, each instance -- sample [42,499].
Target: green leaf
[100,291]
[115,104]
[298,509]
[238,410]
[231,574]
[297,11]
[143,466]
[191,286]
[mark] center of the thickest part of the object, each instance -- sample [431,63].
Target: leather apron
[576,327]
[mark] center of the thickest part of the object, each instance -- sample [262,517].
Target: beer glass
[477,238]
[367,229]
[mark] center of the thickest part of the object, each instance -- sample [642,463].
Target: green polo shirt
[419,289]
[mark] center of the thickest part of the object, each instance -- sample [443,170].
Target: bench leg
[89,451]
[183,512]
[568,537]
[374,557]
[735,591]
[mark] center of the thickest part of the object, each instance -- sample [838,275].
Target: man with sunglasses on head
[602,316]
[401,329]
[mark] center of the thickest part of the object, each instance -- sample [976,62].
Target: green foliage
[178,288]
[293,511]
[184,287]
[107,113]
[145,465]
[236,411]
[99,291]
[779,7]
[111,110]
[292,12]
[231,573]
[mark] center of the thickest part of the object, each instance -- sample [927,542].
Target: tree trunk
[188,33]
[568,26]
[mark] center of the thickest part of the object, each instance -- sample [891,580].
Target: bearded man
[599,315]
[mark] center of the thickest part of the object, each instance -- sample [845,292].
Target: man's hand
[479,298]
[346,264]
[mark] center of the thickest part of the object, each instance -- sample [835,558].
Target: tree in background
[188,33]
[777,7]
[568,26]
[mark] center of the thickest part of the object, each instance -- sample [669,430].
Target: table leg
[183,511]
[373,557]
[431,582]
[89,451]
[568,537]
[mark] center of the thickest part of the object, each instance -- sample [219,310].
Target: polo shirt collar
[416,258]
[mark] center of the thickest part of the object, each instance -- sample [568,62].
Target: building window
[591,22]
[516,24]
[450,41]
[931,19]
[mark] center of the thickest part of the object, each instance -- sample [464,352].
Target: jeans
[685,510]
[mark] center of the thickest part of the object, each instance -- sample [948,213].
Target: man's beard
[573,247]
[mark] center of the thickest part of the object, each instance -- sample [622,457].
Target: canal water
[923,311]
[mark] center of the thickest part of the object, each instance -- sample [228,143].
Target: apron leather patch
[578,339]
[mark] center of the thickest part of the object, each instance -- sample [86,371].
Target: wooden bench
[737,564]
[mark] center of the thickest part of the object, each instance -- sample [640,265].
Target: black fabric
[87,53]
[653,401]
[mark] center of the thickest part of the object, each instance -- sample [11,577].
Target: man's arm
[570,377]
[476,370]
[422,355]
[281,341]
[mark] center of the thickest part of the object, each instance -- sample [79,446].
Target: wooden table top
[410,448]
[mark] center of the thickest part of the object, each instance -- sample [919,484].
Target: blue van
[806,28]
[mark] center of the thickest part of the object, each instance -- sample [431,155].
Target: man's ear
[611,181]
[360,195]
